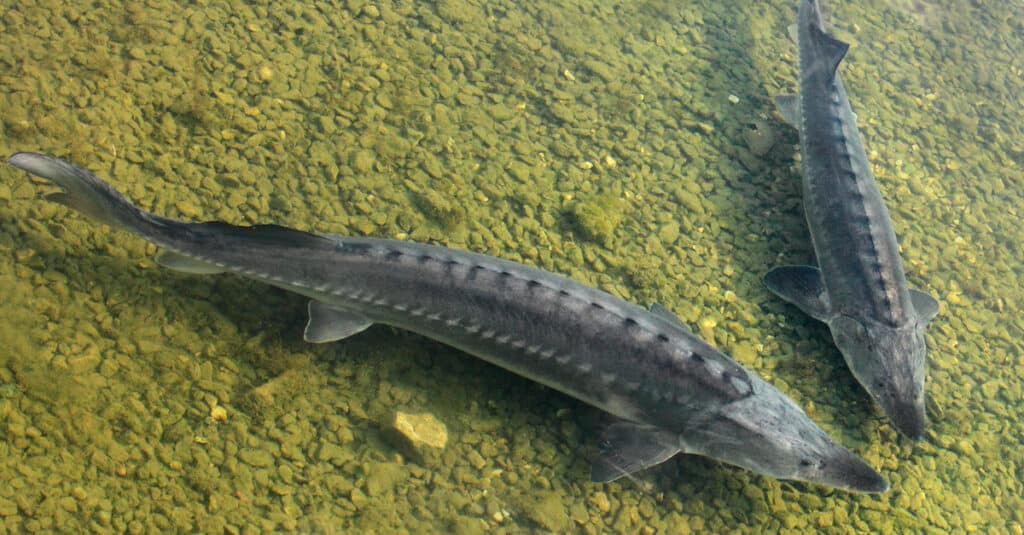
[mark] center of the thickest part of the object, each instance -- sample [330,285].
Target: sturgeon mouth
[848,471]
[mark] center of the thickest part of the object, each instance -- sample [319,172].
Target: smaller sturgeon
[671,391]
[859,288]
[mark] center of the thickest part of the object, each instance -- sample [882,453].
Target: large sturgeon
[671,391]
[859,288]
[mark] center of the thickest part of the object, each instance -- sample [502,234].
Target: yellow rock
[219,413]
[422,429]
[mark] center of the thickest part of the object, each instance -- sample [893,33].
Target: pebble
[363,161]
[256,458]
[548,511]
[219,413]
[187,209]
[358,498]
[8,507]
[330,452]
[759,136]
[476,459]
[422,429]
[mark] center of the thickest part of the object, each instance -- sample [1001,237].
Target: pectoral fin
[925,305]
[627,448]
[801,286]
[789,108]
[186,264]
[662,312]
[328,324]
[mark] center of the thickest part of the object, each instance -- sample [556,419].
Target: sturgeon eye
[804,463]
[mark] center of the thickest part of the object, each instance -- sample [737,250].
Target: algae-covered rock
[464,525]
[598,217]
[547,510]
[270,397]
[689,200]
[8,507]
[668,233]
[383,478]
[256,457]
[329,452]
[760,137]
[439,208]
[363,160]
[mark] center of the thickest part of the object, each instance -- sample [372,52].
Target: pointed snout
[908,418]
[847,471]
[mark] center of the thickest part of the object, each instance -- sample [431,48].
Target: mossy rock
[440,209]
[598,217]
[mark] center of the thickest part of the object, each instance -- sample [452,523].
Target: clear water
[607,141]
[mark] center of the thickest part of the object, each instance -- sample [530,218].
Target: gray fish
[858,288]
[670,391]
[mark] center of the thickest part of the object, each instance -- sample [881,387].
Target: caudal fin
[90,195]
[82,190]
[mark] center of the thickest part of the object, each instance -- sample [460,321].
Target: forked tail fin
[83,191]
[90,195]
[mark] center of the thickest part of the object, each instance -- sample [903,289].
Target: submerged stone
[760,137]
[420,436]
[598,218]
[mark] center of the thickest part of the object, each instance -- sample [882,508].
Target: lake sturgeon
[858,288]
[670,391]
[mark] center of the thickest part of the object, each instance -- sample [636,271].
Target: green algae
[444,210]
[598,218]
[502,129]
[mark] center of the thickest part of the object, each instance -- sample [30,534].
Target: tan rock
[422,429]
[420,436]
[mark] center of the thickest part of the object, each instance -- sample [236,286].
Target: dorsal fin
[833,50]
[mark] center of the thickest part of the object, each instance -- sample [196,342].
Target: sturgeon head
[889,362]
[769,434]
[887,358]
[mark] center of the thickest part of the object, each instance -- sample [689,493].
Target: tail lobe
[90,195]
[82,190]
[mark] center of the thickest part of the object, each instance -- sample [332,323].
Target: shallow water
[607,141]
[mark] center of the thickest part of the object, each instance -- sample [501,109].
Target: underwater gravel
[607,142]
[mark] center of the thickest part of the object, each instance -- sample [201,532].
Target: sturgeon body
[670,391]
[858,288]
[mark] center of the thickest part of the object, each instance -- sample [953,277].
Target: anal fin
[627,448]
[327,324]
